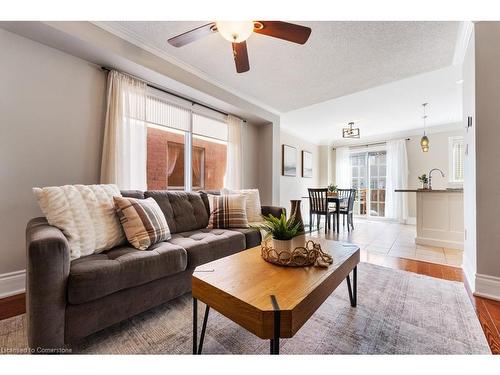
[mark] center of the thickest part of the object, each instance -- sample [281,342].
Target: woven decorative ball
[308,255]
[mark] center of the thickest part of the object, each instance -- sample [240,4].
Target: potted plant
[281,230]
[332,189]
[424,180]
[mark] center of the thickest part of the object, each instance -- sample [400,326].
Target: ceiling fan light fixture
[235,31]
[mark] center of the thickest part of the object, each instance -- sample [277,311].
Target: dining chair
[318,205]
[346,209]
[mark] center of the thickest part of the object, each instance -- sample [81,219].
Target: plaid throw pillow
[142,220]
[227,211]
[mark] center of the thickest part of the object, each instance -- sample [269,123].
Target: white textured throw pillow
[253,207]
[85,214]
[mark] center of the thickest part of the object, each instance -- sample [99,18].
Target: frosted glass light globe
[235,31]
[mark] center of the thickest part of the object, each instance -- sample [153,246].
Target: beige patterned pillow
[252,207]
[85,214]
[227,211]
[143,221]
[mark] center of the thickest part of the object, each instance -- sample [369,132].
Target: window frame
[189,134]
[452,141]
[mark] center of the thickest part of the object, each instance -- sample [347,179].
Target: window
[209,152]
[185,149]
[456,159]
[369,179]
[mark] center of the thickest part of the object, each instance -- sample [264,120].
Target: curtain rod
[371,144]
[152,85]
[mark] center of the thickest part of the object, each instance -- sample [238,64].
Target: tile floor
[393,239]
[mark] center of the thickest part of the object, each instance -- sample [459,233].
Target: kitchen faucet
[430,177]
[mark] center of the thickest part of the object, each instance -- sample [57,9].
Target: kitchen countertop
[429,190]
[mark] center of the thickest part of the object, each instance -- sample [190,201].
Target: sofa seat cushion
[252,236]
[206,245]
[98,275]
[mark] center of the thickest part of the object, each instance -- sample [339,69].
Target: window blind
[160,112]
[457,159]
[209,127]
[458,152]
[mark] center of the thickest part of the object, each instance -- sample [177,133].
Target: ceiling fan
[238,32]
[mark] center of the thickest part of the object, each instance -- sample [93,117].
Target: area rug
[398,312]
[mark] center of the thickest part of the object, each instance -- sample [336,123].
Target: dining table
[334,198]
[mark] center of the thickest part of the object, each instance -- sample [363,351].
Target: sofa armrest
[273,210]
[47,271]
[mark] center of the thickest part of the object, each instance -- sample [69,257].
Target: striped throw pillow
[253,208]
[227,211]
[142,220]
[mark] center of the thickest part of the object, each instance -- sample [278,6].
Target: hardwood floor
[488,311]
[12,306]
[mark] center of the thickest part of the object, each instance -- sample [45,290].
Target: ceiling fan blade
[241,57]
[192,35]
[284,30]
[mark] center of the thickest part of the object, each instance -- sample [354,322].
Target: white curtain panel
[396,204]
[234,170]
[125,136]
[343,171]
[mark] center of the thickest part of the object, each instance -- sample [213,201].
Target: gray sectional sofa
[68,300]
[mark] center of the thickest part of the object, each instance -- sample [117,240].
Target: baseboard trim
[12,283]
[439,243]
[469,273]
[411,220]
[487,287]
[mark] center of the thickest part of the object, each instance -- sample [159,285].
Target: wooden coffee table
[270,301]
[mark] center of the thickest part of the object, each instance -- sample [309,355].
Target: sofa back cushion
[184,211]
[137,194]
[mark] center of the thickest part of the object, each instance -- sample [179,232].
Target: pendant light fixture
[424,142]
[350,132]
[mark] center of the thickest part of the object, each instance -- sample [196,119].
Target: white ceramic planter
[282,245]
[289,245]
[299,241]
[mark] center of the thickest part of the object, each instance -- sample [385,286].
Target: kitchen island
[440,217]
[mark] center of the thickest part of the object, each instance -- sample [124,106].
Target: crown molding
[463,37]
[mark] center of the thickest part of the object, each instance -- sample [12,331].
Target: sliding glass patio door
[369,179]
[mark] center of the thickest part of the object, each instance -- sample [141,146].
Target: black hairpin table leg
[198,348]
[353,291]
[195,325]
[203,329]
[275,342]
[355,285]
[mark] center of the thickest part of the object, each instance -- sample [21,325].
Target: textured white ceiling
[340,58]
[383,112]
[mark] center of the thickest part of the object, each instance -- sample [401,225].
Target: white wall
[51,116]
[296,187]
[422,162]
[469,260]
[326,165]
